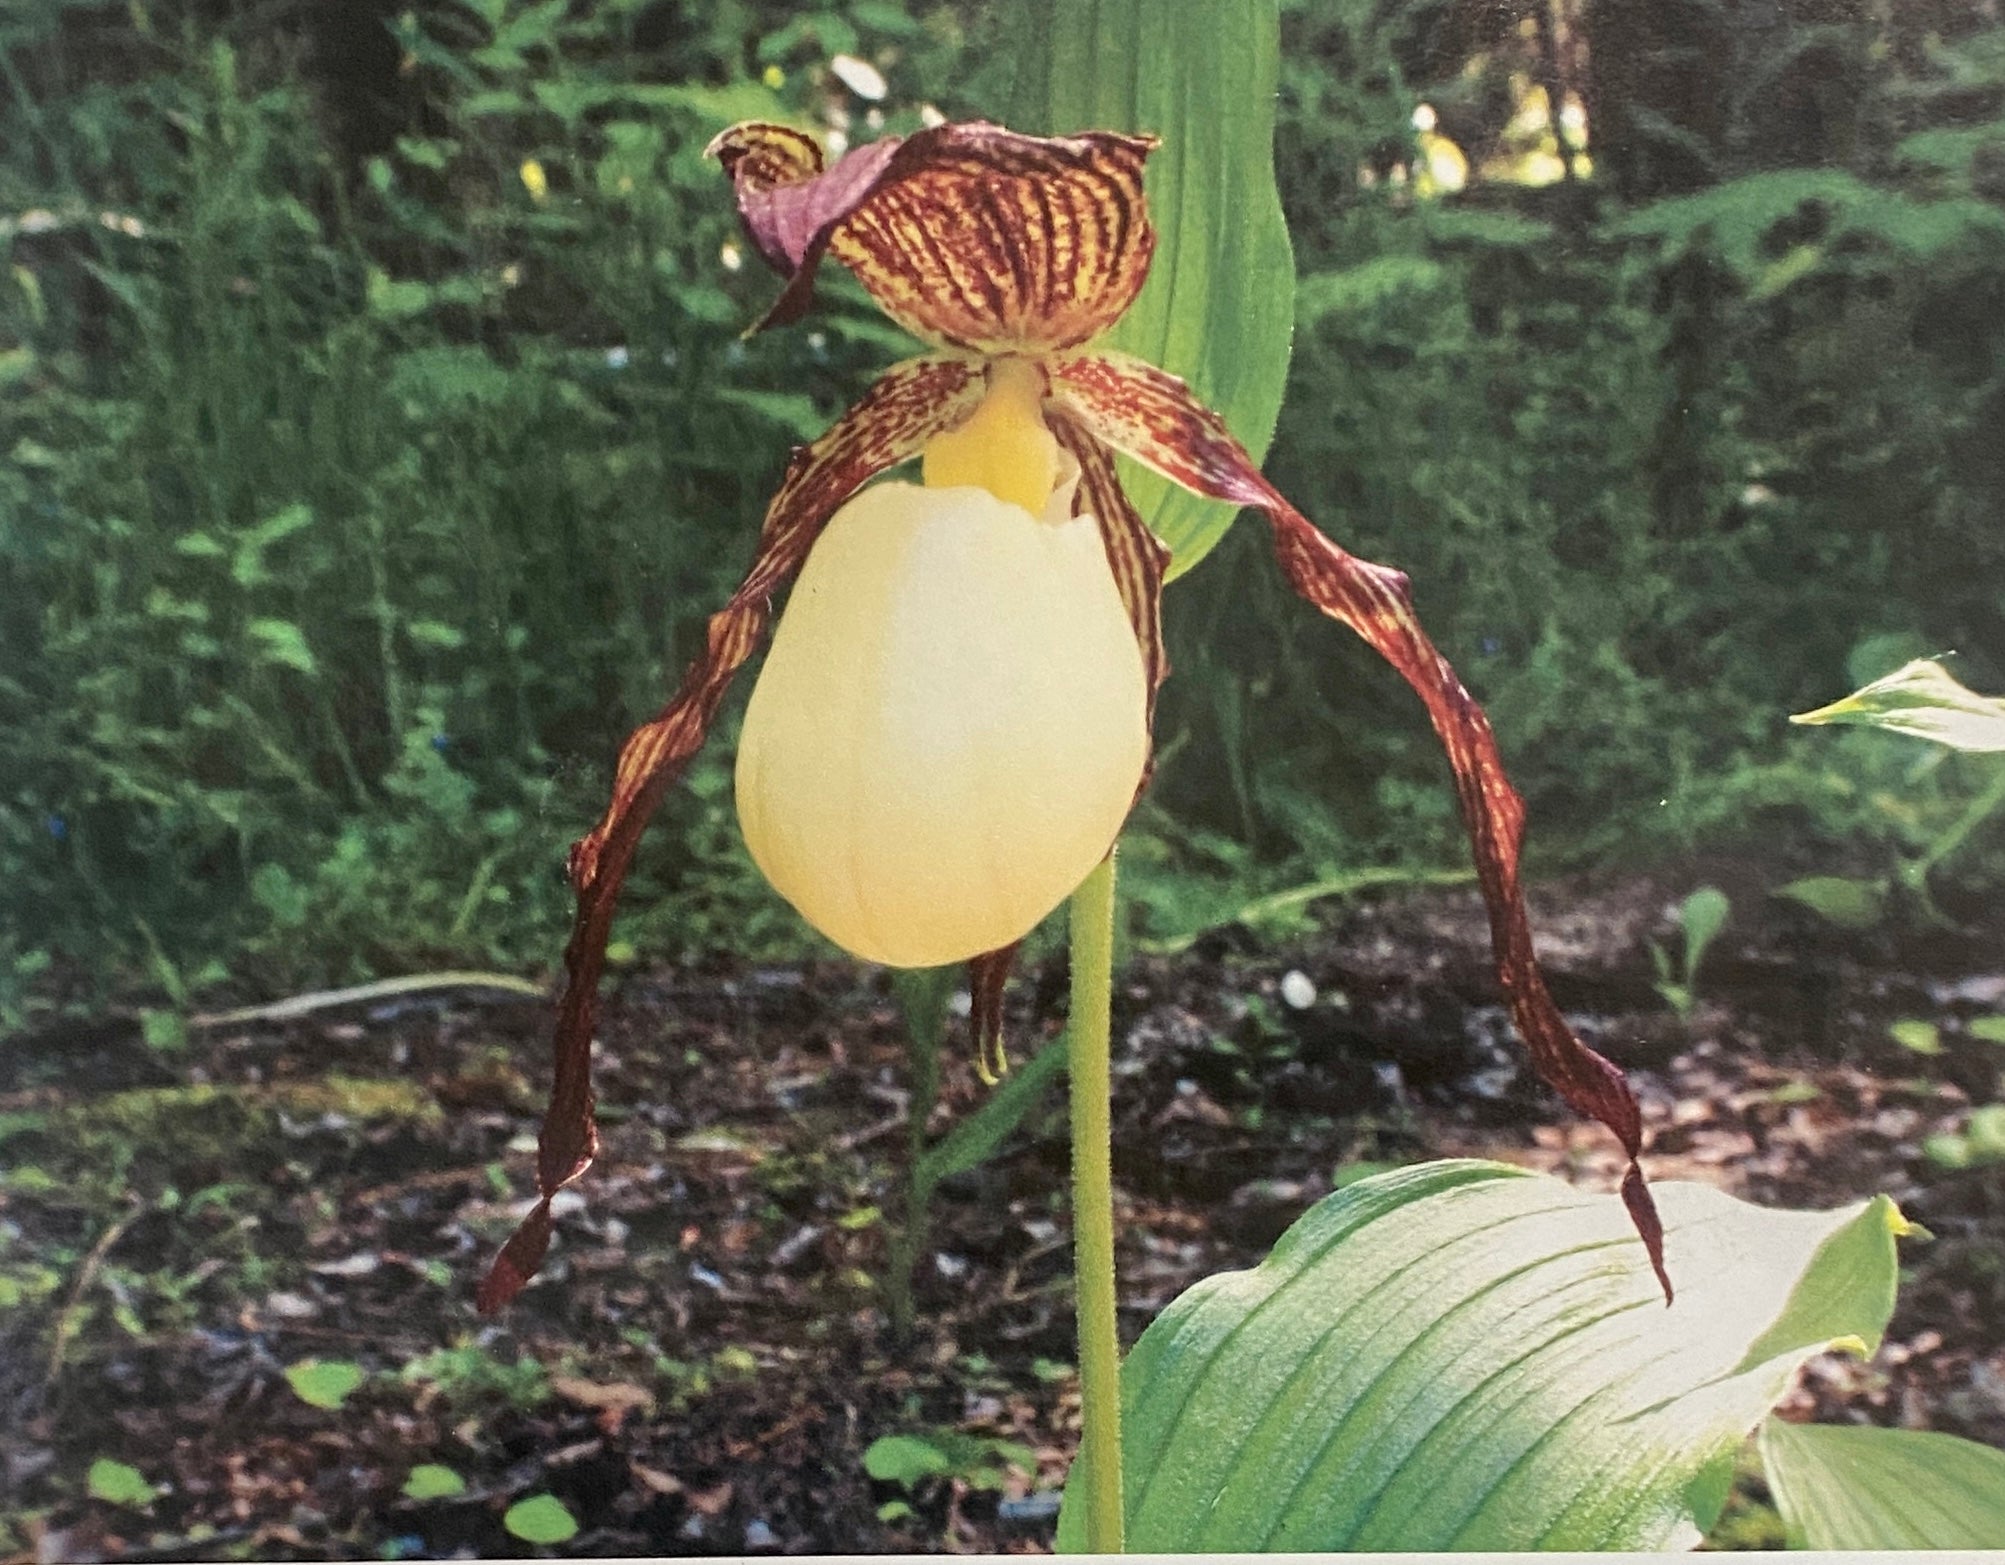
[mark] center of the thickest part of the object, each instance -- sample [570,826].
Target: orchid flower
[954,718]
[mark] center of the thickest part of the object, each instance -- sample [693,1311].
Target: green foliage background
[359,487]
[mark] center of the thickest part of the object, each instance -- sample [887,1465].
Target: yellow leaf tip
[1899,1224]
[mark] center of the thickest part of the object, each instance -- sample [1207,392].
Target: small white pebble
[1297,992]
[859,76]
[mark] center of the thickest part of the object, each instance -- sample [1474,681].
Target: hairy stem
[922,993]
[1093,1205]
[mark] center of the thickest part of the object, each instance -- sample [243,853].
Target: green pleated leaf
[1921,698]
[1464,1355]
[1219,306]
[1884,1488]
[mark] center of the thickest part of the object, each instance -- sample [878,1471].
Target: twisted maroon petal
[907,406]
[1138,559]
[1152,416]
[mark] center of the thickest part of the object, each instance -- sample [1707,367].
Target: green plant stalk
[923,997]
[1092,917]
[1916,873]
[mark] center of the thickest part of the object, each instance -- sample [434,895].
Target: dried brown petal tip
[988,976]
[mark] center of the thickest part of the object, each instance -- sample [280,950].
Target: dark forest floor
[707,1357]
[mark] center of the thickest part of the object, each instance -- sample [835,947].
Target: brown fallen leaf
[709,1502]
[612,1402]
[359,1265]
[654,1479]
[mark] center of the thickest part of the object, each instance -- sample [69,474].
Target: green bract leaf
[542,1518]
[1845,1488]
[1464,1355]
[1920,698]
[324,1383]
[1219,306]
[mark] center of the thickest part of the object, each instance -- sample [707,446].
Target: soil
[707,1356]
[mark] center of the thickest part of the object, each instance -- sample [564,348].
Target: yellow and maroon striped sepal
[969,236]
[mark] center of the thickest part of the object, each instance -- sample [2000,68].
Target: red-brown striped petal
[1138,559]
[971,235]
[908,405]
[760,156]
[1152,416]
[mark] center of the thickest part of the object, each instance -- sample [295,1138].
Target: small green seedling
[433,1481]
[1839,899]
[1701,916]
[116,1483]
[1982,1140]
[540,1519]
[324,1383]
[916,1461]
[1916,1036]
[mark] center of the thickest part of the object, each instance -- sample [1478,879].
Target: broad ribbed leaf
[1923,699]
[1219,306]
[1843,1488]
[1464,1355]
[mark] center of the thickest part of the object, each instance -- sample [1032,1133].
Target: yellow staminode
[1004,447]
[949,729]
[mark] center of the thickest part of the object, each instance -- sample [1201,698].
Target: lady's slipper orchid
[948,731]
[954,717]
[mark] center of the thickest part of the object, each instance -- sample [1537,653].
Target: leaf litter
[705,1359]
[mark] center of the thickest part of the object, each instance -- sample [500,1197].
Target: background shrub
[379,432]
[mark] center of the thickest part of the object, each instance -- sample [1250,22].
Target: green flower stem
[1980,807]
[1093,1205]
